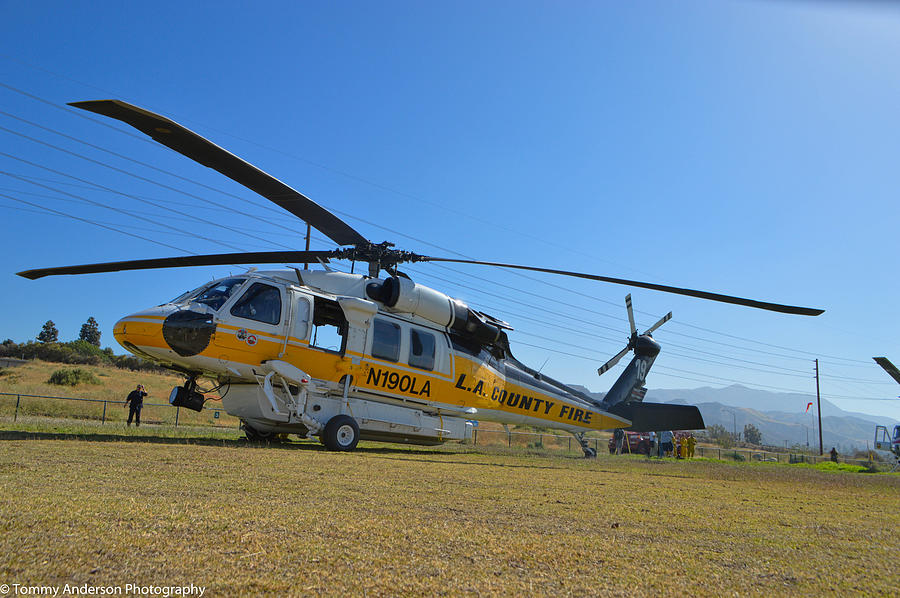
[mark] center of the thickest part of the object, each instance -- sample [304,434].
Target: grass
[456,520]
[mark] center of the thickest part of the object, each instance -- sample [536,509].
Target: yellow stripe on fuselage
[472,383]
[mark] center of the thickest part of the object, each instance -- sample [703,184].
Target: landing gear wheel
[341,433]
[590,453]
[255,435]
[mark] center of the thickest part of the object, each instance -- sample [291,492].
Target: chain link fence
[18,407]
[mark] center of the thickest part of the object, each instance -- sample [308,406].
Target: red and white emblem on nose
[251,340]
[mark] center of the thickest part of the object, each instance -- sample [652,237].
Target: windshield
[216,294]
[182,298]
[213,294]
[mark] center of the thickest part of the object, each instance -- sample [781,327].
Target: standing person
[665,443]
[653,448]
[136,398]
[834,454]
[691,443]
[619,436]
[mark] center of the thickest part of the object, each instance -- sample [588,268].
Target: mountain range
[780,417]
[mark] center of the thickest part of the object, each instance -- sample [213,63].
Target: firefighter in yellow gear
[691,443]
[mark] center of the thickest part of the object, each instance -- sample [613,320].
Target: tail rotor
[632,340]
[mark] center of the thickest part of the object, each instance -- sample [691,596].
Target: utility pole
[819,407]
[308,235]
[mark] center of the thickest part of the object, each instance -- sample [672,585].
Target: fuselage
[328,325]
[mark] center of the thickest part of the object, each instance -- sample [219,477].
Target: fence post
[103,421]
[177,411]
[16,414]
[570,444]
[475,437]
[509,439]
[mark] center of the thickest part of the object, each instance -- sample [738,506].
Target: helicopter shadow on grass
[399,453]
[10,435]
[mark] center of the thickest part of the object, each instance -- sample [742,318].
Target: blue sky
[742,147]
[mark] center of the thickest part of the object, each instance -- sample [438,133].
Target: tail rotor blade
[661,321]
[609,364]
[630,314]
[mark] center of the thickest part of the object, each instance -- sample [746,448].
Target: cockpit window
[216,294]
[261,302]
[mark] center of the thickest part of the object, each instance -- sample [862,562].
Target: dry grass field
[386,521]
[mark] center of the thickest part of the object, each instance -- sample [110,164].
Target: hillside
[781,417]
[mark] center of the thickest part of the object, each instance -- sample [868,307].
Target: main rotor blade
[659,323]
[200,149]
[606,366]
[630,311]
[889,367]
[220,259]
[787,309]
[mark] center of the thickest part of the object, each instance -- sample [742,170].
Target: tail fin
[630,385]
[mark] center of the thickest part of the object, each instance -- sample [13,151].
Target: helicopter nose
[188,332]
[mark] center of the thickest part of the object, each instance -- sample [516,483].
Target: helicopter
[343,357]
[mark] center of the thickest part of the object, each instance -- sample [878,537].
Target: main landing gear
[341,433]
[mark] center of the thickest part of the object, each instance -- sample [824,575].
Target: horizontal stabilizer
[655,417]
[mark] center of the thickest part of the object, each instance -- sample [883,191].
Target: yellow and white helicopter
[345,357]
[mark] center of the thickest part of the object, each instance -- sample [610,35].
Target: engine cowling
[402,295]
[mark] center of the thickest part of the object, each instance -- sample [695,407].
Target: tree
[720,435]
[90,332]
[49,333]
[752,435]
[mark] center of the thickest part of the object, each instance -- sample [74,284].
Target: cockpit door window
[261,302]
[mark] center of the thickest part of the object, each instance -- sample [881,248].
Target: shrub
[73,377]
[10,375]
